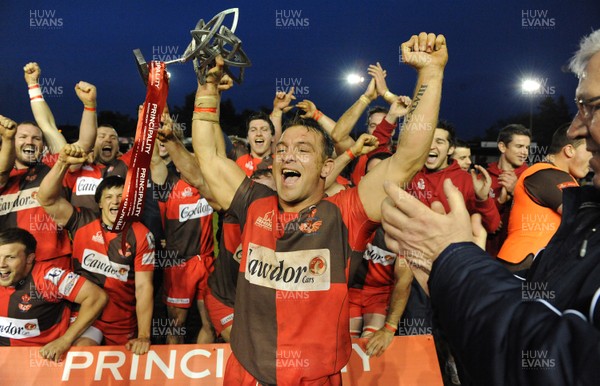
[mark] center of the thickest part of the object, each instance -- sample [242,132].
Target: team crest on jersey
[127,251]
[312,223]
[25,306]
[31,177]
[266,221]
[98,238]
[249,165]
[492,194]
[187,192]
[421,184]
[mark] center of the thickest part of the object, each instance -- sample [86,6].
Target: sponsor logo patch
[306,270]
[96,262]
[379,256]
[192,211]
[86,186]
[67,285]
[19,328]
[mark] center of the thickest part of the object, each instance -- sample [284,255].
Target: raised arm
[222,175]
[8,129]
[281,105]
[50,194]
[344,125]
[40,109]
[86,93]
[427,53]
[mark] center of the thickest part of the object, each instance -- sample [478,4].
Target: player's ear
[30,258]
[327,168]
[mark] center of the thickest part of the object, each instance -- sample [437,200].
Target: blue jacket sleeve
[501,333]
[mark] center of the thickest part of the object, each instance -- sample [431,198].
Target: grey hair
[588,47]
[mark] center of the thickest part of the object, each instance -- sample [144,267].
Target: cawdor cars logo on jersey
[306,270]
[98,263]
[19,328]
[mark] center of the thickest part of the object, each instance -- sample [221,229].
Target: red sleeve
[360,228]
[490,217]
[56,284]
[144,254]
[383,132]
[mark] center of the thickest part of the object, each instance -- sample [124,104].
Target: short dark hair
[33,123]
[258,173]
[560,139]
[107,183]
[506,134]
[107,125]
[449,127]
[375,110]
[20,236]
[262,116]
[461,143]
[312,125]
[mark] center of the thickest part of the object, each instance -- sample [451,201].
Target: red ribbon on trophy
[138,174]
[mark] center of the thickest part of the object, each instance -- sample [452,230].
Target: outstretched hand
[420,233]
[483,185]
[365,144]
[282,100]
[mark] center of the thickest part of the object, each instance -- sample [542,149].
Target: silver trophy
[208,41]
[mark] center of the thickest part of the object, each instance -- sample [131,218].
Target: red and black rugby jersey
[20,208]
[292,295]
[187,219]
[376,268]
[36,311]
[81,184]
[98,256]
[223,280]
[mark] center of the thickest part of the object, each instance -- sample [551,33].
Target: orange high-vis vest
[530,225]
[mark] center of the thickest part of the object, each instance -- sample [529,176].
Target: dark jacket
[542,331]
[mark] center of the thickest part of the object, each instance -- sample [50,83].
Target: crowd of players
[302,256]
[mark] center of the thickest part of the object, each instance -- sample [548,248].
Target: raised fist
[32,72]
[72,154]
[86,92]
[8,127]
[425,51]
